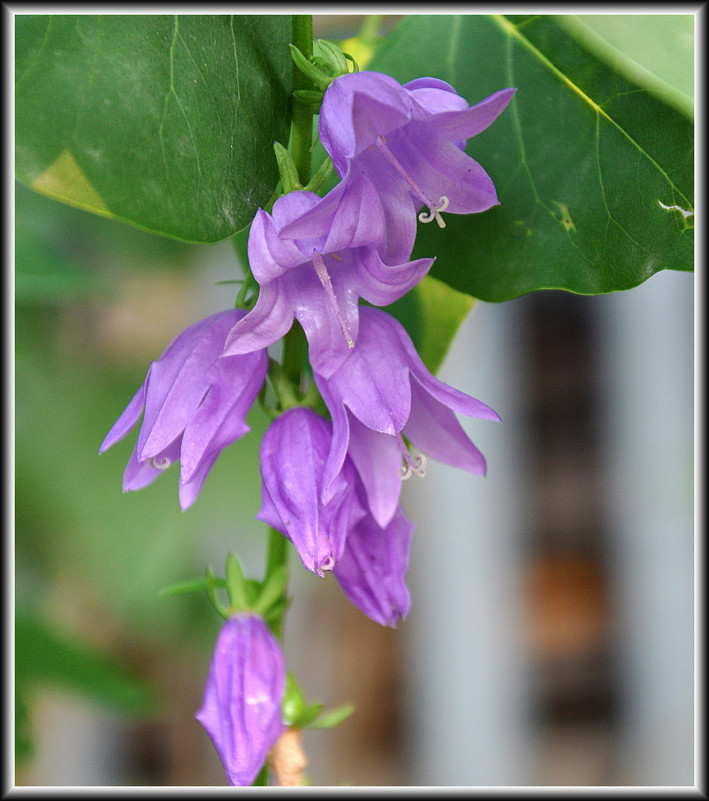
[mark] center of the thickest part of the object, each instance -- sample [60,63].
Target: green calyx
[266,598]
[327,63]
[298,714]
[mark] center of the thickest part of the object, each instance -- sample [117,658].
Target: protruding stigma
[411,466]
[435,209]
[160,462]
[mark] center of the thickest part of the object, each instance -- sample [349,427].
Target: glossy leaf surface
[583,161]
[163,121]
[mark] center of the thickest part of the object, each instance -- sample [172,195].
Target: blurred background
[551,634]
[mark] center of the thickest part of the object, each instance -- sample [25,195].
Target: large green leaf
[166,122]
[585,162]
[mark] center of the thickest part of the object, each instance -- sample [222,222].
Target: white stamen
[325,280]
[435,212]
[160,463]
[328,563]
[435,209]
[411,466]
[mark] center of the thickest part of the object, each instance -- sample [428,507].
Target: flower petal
[378,461]
[220,419]
[138,474]
[349,215]
[373,568]
[266,323]
[356,109]
[293,454]
[129,417]
[436,432]
[440,168]
[462,125]
[178,382]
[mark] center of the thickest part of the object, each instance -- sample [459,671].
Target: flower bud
[241,710]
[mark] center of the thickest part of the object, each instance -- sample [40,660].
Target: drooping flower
[408,140]
[318,273]
[194,403]
[241,710]
[373,568]
[382,393]
[294,451]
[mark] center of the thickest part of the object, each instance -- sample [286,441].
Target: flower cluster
[331,485]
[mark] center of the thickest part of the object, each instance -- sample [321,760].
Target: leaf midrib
[509,29]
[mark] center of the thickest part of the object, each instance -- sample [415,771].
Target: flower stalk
[302,124]
[294,341]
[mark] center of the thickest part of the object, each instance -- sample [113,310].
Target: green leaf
[166,122]
[333,717]
[582,160]
[621,40]
[46,654]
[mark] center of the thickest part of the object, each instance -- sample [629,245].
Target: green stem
[302,122]
[294,342]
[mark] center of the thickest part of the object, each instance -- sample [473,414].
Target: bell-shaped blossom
[373,568]
[294,451]
[241,710]
[382,393]
[317,272]
[195,404]
[408,140]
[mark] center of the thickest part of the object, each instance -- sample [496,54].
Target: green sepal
[183,587]
[297,714]
[293,704]
[333,717]
[311,97]
[313,73]
[355,65]
[236,585]
[253,590]
[332,60]
[309,715]
[286,168]
[272,591]
[321,175]
[213,583]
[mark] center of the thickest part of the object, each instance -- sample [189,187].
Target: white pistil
[435,209]
[325,280]
[435,212]
[160,463]
[411,466]
[327,564]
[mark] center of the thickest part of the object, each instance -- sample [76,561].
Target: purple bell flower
[408,140]
[316,272]
[195,405]
[241,710]
[383,391]
[294,451]
[373,568]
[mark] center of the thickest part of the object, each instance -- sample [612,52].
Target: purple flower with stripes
[314,258]
[382,393]
[194,405]
[408,140]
